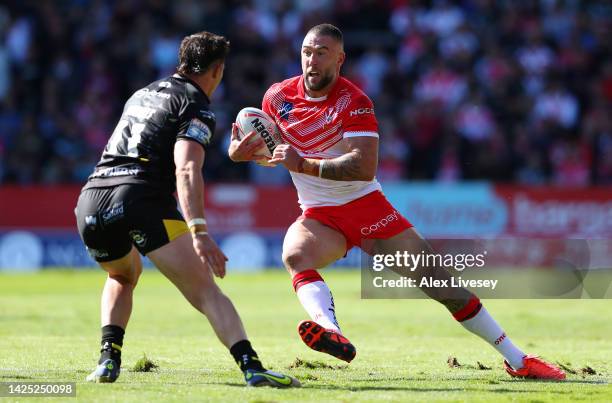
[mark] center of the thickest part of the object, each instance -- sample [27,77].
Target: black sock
[112,341]
[245,356]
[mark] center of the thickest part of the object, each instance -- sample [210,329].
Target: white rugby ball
[254,119]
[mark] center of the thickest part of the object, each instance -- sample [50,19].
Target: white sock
[318,301]
[485,326]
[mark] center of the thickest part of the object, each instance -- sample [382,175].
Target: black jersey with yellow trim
[141,148]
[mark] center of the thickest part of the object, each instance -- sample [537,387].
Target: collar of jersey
[318,99]
[181,77]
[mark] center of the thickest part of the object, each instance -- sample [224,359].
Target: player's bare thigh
[127,269]
[309,244]
[408,240]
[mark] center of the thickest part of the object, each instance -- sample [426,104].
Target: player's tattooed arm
[358,164]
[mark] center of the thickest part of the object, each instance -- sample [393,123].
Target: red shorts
[369,217]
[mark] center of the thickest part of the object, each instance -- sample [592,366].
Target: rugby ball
[254,119]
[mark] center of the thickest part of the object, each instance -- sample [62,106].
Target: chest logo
[284,110]
[330,115]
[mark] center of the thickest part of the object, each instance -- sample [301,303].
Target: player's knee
[199,287]
[137,272]
[293,260]
[125,279]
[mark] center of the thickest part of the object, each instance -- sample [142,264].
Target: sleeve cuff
[360,134]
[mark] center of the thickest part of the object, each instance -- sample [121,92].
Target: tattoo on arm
[347,167]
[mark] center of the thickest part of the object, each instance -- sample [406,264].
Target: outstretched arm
[189,159]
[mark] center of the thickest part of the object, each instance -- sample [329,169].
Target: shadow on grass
[578,381]
[16,377]
[310,386]
[365,388]
[423,389]
[489,388]
[497,381]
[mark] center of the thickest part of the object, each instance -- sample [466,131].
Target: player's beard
[323,82]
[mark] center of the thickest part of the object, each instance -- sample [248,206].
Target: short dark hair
[327,30]
[198,51]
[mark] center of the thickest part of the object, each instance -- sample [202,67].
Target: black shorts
[112,219]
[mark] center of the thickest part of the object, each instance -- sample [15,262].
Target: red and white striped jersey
[315,127]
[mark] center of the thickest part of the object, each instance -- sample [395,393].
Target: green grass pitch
[49,331]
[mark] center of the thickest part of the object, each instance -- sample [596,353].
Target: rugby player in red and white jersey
[331,150]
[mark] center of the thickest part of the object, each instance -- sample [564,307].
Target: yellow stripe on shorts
[175,228]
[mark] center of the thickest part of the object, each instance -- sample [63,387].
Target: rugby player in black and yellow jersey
[127,207]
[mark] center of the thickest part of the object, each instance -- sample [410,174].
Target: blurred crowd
[509,91]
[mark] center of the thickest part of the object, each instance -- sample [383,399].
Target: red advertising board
[557,212]
[537,211]
[38,206]
[228,207]
[243,207]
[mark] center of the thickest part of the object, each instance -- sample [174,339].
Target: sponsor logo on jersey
[91,220]
[199,131]
[305,109]
[165,84]
[138,237]
[361,111]
[207,114]
[382,223]
[284,110]
[111,172]
[267,137]
[112,213]
[146,91]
